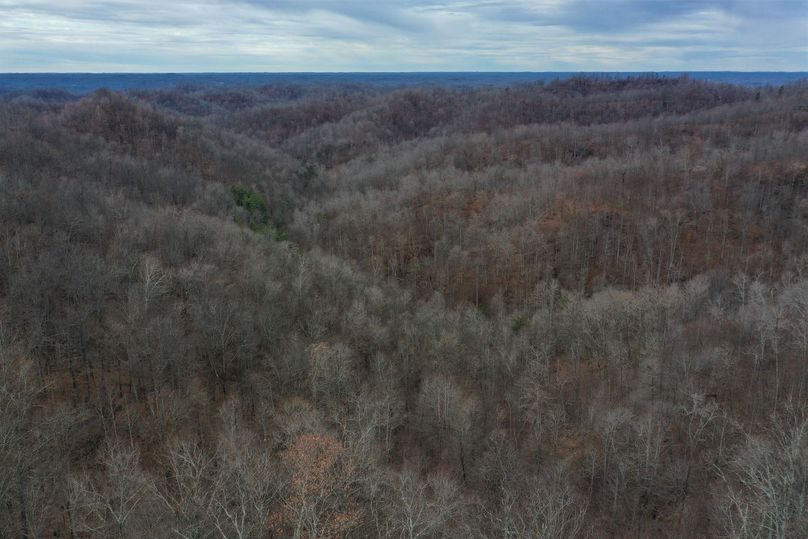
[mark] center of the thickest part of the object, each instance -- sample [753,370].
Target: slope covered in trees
[577,309]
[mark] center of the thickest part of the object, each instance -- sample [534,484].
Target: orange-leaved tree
[319,501]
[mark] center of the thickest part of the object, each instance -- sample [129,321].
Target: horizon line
[380,72]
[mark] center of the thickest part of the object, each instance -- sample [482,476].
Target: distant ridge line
[88,82]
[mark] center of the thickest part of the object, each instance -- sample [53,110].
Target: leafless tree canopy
[566,310]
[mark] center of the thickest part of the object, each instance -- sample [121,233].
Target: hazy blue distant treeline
[88,82]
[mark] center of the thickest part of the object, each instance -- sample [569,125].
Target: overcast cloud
[403,35]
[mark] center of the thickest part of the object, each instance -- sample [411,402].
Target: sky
[402,35]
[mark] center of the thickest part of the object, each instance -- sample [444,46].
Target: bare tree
[118,501]
[767,487]
[423,508]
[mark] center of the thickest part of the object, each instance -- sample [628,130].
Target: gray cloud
[355,35]
[619,15]
[396,15]
[614,16]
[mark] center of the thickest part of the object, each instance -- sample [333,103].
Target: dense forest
[575,309]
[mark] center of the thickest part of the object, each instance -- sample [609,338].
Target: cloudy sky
[403,35]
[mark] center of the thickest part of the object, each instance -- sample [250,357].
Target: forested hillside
[565,310]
